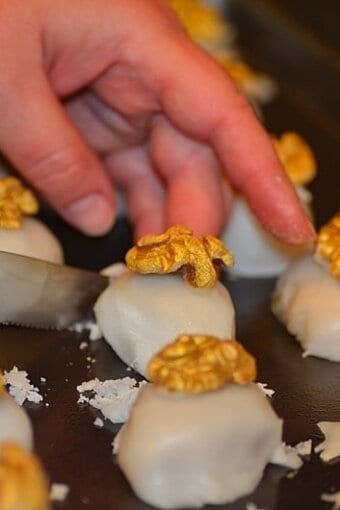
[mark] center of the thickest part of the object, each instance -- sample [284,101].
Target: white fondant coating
[180,450]
[15,426]
[140,314]
[256,252]
[33,239]
[307,301]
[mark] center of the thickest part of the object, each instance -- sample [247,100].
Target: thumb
[39,139]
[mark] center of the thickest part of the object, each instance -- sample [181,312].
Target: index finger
[204,103]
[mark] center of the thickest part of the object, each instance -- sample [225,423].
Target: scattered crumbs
[91,326]
[330,447]
[286,456]
[43,379]
[20,387]
[83,345]
[128,369]
[267,391]
[47,404]
[88,358]
[59,492]
[332,498]
[66,379]
[304,448]
[88,367]
[70,363]
[113,397]
[252,506]
[98,422]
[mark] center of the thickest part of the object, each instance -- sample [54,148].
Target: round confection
[256,252]
[33,239]
[183,450]
[15,426]
[140,314]
[307,301]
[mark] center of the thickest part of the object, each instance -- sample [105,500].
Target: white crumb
[332,498]
[291,474]
[330,447]
[304,448]
[43,379]
[20,387]
[128,369]
[95,333]
[91,326]
[59,492]
[98,422]
[286,456]
[83,345]
[252,506]
[113,397]
[116,441]
[267,391]
[114,270]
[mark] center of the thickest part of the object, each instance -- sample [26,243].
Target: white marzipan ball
[307,301]
[140,314]
[33,239]
[256,252]
[182,450]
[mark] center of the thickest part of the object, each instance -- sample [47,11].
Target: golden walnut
[178,249]
[23,485]
[328,245]
[15,202]
[296,157]
[201,363]
[200,21]
[2,385]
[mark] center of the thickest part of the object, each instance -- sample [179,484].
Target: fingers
[132,172]
[45,147]
[192,176]
[203,103]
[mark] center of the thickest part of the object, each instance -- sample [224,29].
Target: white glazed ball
[180,450]
[140,314]
[307,301]
[33,239]
[256,252]
[15,426]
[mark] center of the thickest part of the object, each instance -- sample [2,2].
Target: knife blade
[41,294]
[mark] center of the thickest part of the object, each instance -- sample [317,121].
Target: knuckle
[62,174]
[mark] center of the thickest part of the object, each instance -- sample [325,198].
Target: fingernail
[92,214]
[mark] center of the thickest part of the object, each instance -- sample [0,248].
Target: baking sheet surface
[77,453]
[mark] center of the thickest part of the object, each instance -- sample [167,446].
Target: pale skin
[96,96]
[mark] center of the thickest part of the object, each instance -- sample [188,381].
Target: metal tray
[306,390]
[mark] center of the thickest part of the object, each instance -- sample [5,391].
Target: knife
[41,294]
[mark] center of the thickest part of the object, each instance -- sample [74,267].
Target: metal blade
[36,293]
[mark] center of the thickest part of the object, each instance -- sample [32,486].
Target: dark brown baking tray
[307,390]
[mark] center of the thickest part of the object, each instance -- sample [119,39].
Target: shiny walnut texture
[23,485]
[296,157]
[16,201]
[201,363]
[178,249]
[328,245]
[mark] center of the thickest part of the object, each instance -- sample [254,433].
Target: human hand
[95,93]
